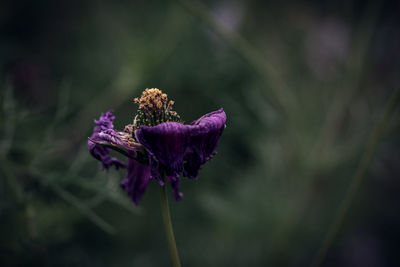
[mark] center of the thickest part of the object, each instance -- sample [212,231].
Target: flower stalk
[173,251]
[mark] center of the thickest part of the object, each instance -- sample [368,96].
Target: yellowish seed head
[154,108]
[152,100]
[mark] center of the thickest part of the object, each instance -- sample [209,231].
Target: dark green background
[303,84]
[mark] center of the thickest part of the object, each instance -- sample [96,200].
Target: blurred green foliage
[303,84]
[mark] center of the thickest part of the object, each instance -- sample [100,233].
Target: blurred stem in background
[357,179]
[55,182]
[173,251]
[266,71]
[355,70]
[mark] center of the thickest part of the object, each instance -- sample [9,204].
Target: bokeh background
[304,85]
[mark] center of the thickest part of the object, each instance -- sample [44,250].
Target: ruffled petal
[105,122]
[102,153]
[166,144]
[175,187]
[171,144]
[175,148]
[121,139]
[135,183]
[203,139]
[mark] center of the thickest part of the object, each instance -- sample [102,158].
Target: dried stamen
[154,108]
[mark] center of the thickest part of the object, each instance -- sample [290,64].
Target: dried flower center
[154,108]
[152,100]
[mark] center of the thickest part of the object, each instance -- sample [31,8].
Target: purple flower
[158,146]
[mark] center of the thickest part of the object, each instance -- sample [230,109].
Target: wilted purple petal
[135,183]
[175,187]
[100,152]
[122,139]
[175,148]
[105,122]
[203,139]
[166,144]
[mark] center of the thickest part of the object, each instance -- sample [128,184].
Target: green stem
[356,180]
[173,251]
